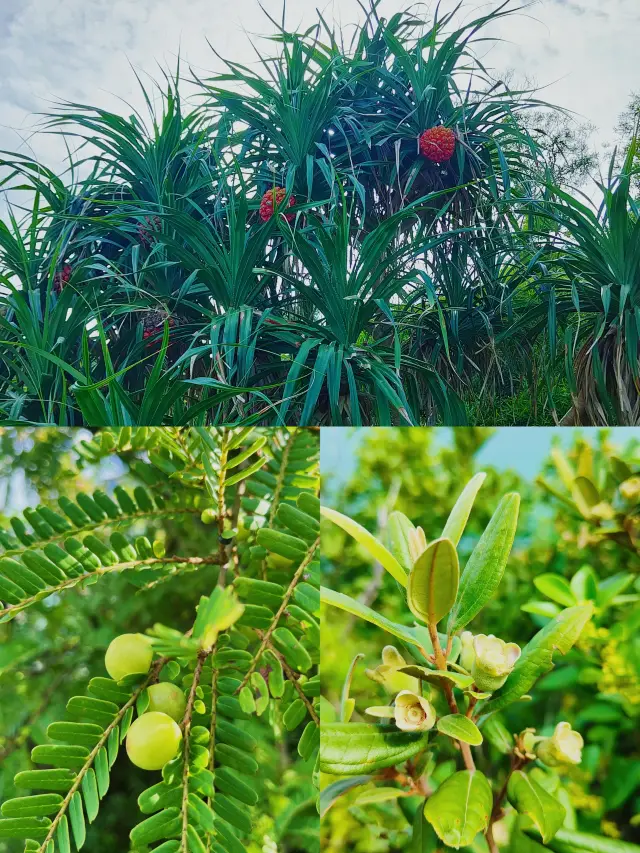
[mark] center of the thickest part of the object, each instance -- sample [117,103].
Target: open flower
[563,747]
[387,672]
[494,660]
[413,713]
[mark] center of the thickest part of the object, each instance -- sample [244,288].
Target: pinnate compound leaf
[529,798]
[368,541]
[486,565]
[537,657]
[460,808]
[433,582]
[349,749]
[459,515]
[461,728]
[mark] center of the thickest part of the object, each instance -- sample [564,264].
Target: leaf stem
[441,663]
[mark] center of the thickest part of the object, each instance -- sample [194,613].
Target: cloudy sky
[584,52]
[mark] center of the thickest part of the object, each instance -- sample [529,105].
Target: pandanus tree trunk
[592,407]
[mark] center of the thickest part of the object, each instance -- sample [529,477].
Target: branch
[186,731]
[285,601]
[104,737]
[222,510]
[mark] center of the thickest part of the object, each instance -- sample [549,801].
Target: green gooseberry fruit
[153,739]
[128,654]
[168,699]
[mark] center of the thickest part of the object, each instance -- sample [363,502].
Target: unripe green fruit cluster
[154,738]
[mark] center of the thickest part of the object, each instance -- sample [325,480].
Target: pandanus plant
[593,271]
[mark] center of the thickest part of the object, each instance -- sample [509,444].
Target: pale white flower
[413,713]
[494,660]
[563,747]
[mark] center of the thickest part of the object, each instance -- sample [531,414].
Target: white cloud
[583,51]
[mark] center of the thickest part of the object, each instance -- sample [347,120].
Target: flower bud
[413,713]
[417,543]
[467,652]
[495,659]
[602,511]
[387,673]
[563,747]
[630,489]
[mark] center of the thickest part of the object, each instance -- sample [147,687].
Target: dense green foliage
[205,541]
[575,547]
[149,284]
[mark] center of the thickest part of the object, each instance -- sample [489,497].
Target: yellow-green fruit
[168,699]
[128,654]
[152,740]
[208,516]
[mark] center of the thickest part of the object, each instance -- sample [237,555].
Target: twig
[291,675]
[203,654]
[274,623]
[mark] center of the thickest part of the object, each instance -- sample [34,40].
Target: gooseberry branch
[152,676]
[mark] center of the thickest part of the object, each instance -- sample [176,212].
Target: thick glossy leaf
[584,585]
[398,529]
[378,795]
[433,582]
[423,837]
[459,515]
[568,841]
[498,735]
[460,808]
[434,676]
[350,605]
[486,565]
[348,749]
[461,728]
[529,798]
[369,542]
[556,588]
[537,657]
[330,794]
